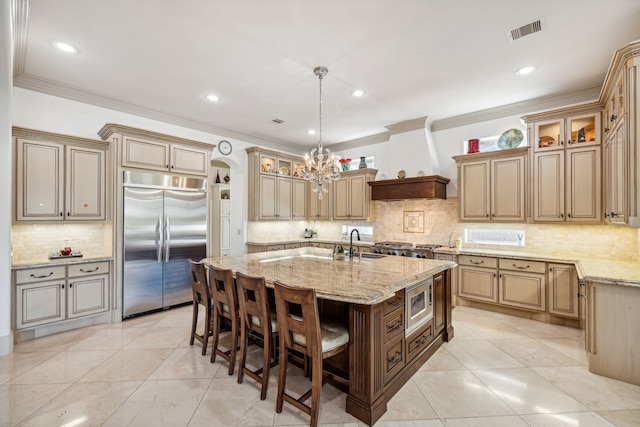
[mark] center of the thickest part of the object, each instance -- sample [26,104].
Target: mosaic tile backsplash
[441,220]
[34,242]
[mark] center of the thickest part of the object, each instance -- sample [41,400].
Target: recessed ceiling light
[358,93]
[213,98]
[65,47]
[311,132]
[525,70]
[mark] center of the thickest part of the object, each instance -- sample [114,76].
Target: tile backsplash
[441,220]
[34,242]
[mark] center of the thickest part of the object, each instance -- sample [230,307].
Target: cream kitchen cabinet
[567,181]
[276,190]
[141,149]
[318,209]
[352,195]
[620,95]
[563,290]
[59,177]
[299,199]
[51,294]
[221,220]
[522,284]
[570,128]
[478,278]
[164,156]
[492,186]
[567,185]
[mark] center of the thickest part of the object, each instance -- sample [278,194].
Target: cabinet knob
[606,130]
[561,215]
[606,215]
[60,213]
[613,117]
[568,215]
[71,285]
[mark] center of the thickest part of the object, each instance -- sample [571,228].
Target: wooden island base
[381,358]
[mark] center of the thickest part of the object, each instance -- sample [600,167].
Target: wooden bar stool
[257,320]
[225,308]
[201,297]
[301,330]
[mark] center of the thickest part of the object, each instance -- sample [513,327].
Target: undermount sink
[372,255]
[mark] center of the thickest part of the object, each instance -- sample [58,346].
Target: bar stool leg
[266,363]
[194,322]
[244,344]
[316,389]
[234,345]
[216,334]
[282,377]
[207,329]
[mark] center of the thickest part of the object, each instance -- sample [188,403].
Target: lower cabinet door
[394,357]
[563,290]
[523,290]
[39,303]
[88,295]
[478,283]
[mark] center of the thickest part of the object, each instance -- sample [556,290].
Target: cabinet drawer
[275,248]
[42,274]
[88,269]
[393,324]
[419,340]
[522,265]
[292,245]
[394,357]
[393,303]
[478,261]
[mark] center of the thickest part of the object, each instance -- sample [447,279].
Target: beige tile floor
[497,371]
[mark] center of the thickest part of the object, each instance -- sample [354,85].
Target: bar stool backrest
[253,303]
[297,313]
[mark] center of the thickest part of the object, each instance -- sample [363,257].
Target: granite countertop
[46,262]
[622,273]
[360,281]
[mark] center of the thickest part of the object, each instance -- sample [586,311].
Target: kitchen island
[386,347]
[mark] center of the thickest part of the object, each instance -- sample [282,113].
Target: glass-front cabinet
[567,132]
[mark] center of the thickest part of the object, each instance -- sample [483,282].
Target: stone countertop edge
[372,281]
[60,261]
[611,272]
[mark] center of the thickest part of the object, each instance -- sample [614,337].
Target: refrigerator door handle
[167,241]
[159,238]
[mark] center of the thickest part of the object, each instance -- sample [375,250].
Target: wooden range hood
[422,187]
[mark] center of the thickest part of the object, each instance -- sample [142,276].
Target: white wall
[6,338]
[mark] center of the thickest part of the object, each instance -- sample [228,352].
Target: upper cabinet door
[549,135]
[40,178]
[583,185]
[145,154]
[190,160]
[548,186]
[85,188]
[474,190]
[583,130]
[508,188]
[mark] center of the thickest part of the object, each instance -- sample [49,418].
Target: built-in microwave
[418,305]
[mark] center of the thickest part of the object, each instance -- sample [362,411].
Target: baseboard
[6,344]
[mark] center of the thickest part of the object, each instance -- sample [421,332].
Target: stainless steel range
[404,249]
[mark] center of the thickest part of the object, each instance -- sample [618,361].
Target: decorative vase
[227,178]
[363,163]
[345,167]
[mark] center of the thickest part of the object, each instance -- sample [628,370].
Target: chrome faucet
[351,241]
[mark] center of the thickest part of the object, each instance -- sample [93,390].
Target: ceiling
[414,58]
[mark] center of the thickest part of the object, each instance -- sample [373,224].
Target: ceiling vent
[525,30]
[277,121]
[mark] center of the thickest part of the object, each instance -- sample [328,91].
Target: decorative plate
[510,139]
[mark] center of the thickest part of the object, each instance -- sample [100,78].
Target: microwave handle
[430,294]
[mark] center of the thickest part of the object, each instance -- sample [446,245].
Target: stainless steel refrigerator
[165,224]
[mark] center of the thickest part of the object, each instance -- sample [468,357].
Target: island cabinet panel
[394,357]
[439,303]
[419,340]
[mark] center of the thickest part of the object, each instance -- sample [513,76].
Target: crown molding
[37,84]
[408,125]
[360,142]
[530,106]
[21,13]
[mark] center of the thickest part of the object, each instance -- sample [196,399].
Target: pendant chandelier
[321,167]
